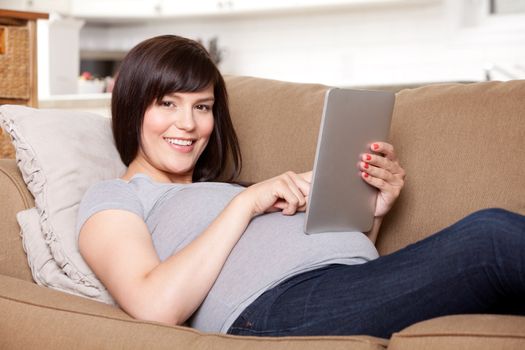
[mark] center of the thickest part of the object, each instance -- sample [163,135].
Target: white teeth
[179,142]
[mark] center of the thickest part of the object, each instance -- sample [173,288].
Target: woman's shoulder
[112,194]
[109,188]
[138,184]
[109,194]
[139,193]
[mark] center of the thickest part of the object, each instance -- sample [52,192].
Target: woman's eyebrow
[206,99]
[203,99]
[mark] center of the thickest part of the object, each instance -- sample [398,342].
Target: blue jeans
[476,265]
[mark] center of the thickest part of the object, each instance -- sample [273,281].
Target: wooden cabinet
[181,8]
[61,6]
[111,11]
[114,9]
[18,68]
[189,8]
[18,56]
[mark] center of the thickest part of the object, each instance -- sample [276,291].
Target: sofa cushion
[36,317]
[462,148]
[480,332]
[60,154]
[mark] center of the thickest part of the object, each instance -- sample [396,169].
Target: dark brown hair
[167,64]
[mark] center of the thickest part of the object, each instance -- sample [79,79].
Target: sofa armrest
[14,197]
[39,317]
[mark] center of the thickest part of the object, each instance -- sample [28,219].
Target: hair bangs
[187,74]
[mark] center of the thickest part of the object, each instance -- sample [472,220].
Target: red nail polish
[368,157]
[366,175]
[376,146]
[366,165]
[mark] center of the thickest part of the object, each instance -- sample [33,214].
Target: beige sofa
[461,145]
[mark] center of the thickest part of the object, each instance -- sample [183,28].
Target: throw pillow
[44,268]
[60,154]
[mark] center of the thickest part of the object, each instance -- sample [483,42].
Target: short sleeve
[112,194]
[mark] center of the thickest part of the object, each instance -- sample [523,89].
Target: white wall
[447,40]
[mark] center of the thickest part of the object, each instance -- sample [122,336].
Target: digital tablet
[340,200]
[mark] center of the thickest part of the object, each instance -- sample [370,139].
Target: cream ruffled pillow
[60,154]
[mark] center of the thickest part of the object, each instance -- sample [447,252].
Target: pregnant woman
[172,243]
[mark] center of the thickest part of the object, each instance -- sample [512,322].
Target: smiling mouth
[179,142]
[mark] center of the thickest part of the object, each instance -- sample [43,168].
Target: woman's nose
[185,120]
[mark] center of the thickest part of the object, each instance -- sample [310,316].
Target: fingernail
[376,146]
[366,175]
[368,157]
[365,165]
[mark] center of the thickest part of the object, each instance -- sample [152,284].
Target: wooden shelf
[28,16]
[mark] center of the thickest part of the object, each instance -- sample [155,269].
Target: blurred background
[386,44]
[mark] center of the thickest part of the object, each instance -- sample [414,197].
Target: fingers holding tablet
[383,171]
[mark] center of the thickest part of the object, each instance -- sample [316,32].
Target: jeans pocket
[241,326]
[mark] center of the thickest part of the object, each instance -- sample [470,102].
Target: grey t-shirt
[272,248]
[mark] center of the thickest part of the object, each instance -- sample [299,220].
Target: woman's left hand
[381,169]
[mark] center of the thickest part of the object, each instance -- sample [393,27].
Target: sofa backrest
[461,144]
[277,124]
[463,147]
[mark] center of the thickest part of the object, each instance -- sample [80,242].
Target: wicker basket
[6,147]
[14,63]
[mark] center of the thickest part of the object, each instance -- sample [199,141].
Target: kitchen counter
[94,103]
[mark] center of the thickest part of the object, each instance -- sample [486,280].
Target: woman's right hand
[287,192]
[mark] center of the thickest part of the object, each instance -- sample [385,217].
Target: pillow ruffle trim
[35,180]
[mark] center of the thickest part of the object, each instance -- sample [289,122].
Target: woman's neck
[142,167]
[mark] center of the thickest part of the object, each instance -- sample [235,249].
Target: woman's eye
[167,104]
[204,108]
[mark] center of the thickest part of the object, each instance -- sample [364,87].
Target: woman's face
[175,132]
